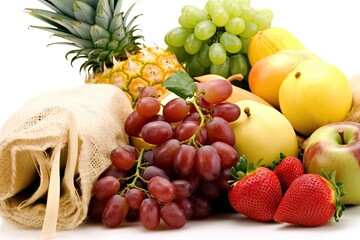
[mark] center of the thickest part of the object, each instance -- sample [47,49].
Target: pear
[315,93]
[262,132]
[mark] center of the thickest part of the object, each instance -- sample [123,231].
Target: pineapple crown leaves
[98,30]
[242,168]
[338,188]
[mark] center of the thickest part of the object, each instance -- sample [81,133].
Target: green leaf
[181,84]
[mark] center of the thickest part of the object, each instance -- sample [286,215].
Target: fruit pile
[188,152]
[214,39]
[189,165]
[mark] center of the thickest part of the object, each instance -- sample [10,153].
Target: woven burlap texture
[27,142]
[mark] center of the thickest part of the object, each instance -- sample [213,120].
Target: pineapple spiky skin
[150,67]
[108,43]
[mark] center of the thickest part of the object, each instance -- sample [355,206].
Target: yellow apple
[267,74]
[313,94]
[262,133]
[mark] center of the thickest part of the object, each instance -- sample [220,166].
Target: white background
[330,29]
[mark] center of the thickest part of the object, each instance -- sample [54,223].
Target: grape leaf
[181,84]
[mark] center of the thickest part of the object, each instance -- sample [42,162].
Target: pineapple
[112,51]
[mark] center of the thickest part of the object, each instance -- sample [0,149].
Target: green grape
[238,64]
[211,5]
[262,18]
[220,17]
[185,8]
[247,13]
[235,25]
[179,52]
[250,30]
[217,53]
[205,30]
[192,44]
[177,36]
[265,11]
[184,22]
[194,15]
[203,54]
[193,67]
[244,43]
[221,69]
[233,8]
[231,42]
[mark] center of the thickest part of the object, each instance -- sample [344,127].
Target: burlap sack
[53,149]
[354,114]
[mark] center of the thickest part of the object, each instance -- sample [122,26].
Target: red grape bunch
[186,176]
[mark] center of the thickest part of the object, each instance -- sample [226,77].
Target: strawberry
[256,192]
[311,200]
[287,169]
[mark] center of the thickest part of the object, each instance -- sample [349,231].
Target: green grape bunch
[214,39]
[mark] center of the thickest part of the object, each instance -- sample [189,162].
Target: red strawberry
[311,200]
[287,169]
[256,192]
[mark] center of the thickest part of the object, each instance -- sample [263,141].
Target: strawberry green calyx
[241,169]
[337,186]
[277,161]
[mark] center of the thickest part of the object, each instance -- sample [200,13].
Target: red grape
[149,213]
[184,159]
[149,157]
[165,153]
[187,129]
[203,104]
[115,211]
[183,188]
[194,116]
[157,132]
[227,153]
[96,208]
[186,206]
[218,129]
[134,197]
[176,110]
[131,149]
[147,92]
[161,189]
[134,123]
[132,214]
[210,189]
[201,206]
[208,163]
[152,171]
[224,178]
[147,107]
[157,117]
[122,159]
[229,111]
[173,215]
[106,187]
[217,90]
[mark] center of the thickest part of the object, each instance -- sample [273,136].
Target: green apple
[262,132]
[336,147]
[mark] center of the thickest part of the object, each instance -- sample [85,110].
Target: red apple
[336,147]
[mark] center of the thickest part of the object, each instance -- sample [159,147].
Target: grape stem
[192,140]
[140,166]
